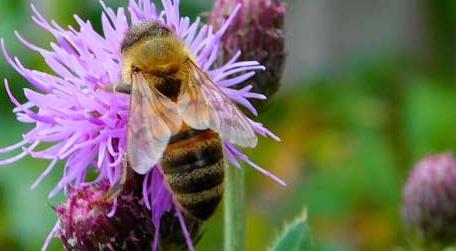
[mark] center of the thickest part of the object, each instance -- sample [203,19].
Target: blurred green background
[369,89]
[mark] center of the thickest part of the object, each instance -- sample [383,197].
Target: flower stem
[235,209]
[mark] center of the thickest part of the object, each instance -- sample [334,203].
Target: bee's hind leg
[121,88]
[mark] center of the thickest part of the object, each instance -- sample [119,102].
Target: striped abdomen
[194,168]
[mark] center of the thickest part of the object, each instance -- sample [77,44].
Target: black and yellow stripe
[194,168]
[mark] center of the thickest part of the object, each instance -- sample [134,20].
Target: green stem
[235,209]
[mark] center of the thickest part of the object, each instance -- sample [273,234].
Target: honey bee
[178,118]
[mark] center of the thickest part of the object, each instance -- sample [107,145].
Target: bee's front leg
[121,88]
[117,188]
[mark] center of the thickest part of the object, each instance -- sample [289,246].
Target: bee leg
[117,188]
[121,88]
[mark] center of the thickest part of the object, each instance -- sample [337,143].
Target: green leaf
[295,236]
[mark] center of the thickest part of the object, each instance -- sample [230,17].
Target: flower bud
[85,224]
[429,201]
[257,31]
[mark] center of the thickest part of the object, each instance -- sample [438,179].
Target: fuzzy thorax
[153,49]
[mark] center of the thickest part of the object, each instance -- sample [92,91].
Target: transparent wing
[153,119]
[203,105]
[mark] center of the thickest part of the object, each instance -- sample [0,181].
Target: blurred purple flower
[77,121]
[429,200]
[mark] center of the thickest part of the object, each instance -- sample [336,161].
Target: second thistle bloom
[429,200]
[85,224]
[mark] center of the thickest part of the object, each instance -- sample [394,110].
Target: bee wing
[202,104]
[153,119]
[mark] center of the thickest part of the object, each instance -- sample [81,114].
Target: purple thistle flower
[429,201]
[84,125]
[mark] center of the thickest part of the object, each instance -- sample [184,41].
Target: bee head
[152,48]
